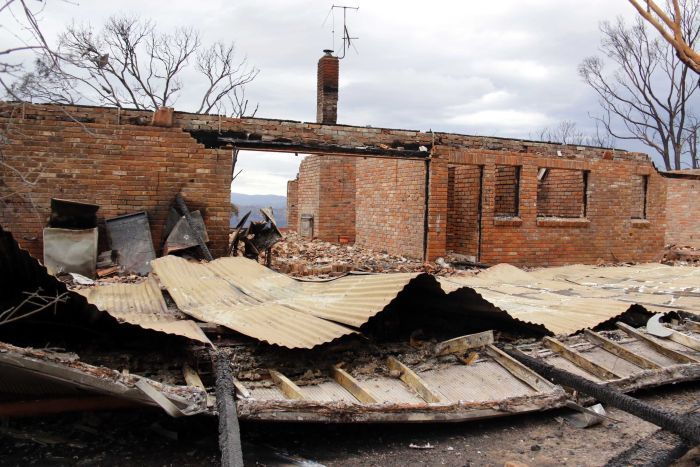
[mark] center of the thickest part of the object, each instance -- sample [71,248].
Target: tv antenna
[347,38]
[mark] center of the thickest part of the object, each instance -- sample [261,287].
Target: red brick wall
[395,212]
[390,205]
[683,212]
[122,168]
[507,189]
[607,233]
[308,189]
[463,190]
[327,89]
[293,204]
[561,193]
[337,199]
[638,187]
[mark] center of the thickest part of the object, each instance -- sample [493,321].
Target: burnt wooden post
[229,429]
[675,423]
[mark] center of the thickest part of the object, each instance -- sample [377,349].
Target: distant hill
[253,203]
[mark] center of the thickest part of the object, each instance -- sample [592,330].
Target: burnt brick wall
[293,204]
[638,187]
[561,193]
[463,190]
[337,198]
[308,190]
[607,233]
[121,168]
[507,179]
[683,212]
[310,133]
[327,89]
[390,205]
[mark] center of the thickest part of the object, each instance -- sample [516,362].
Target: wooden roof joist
[319,148]
[257,142]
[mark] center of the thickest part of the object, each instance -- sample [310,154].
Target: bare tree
[21,29]
[648,98]
[24,17]
[670,24]
[566,132]
[128,63]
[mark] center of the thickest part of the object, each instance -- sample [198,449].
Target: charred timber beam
[320,148]
[229,429]
[674,423]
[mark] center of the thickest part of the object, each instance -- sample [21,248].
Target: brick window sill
[565,222]
[641,223]
[508,221]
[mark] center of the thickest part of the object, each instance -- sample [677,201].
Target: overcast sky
[503,68]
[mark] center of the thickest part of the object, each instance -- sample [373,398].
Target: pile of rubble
[676,255]
[300,257]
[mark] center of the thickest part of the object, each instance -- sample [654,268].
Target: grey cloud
[504,68]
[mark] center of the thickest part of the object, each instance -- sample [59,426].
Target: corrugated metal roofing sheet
[19,271]
[571,298]
[247,297]
[142,304]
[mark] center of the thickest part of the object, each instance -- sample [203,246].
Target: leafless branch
[34,303]
[566,132]
[649,97]
[128,63]
[670,25]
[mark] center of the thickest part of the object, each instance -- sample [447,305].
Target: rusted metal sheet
[208,293]
[130,235]
[31,372]
[143,304]
[67,214]
[571,298]
[245,296]
[180,236]
[70,250]
[20,273]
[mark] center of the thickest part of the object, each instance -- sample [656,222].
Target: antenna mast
[347,38]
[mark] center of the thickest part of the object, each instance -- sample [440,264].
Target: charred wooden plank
[578,359]
[657,345]
[356,412]
[616,349]
[519,370]
[240,389]
[463,343]
[414,381]
[669,421]
[353,386]
[192,379]
[685,340]
[287,386]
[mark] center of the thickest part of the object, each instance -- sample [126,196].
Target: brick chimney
[327,88]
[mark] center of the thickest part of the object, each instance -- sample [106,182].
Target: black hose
[680,425]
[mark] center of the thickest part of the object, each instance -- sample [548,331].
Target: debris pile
[681,255]
[300,257]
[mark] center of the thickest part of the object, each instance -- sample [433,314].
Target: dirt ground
[148,437]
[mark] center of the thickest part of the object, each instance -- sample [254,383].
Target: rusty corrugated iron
[571,298]
[21,273]
[247,297]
